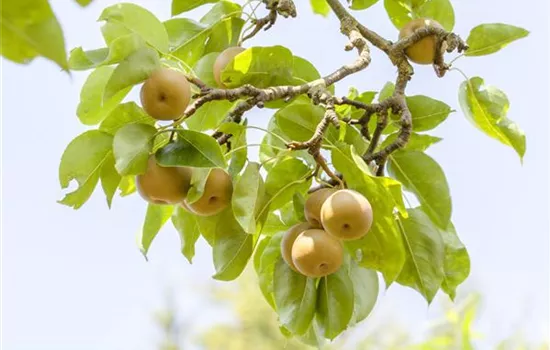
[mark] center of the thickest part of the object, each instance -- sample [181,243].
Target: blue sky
[76,279]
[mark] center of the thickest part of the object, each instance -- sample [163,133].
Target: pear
[347,215]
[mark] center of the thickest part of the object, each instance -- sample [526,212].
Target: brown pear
[423,51]
[347,215]
[165,94]
[288,240]
[312,207]
[315,253]
[217,194]
[223,60]
[163,185]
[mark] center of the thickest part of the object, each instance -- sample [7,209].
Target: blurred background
[76,279]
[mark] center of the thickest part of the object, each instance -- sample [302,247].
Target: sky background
[76,279]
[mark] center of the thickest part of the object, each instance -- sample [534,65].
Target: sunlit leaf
[188,228]
[131,147]
[295,298]
[421,175]
[155,218]
[423,269]
[486,107]
[82,161]
[192,149]
[29,29]
[489,38]
[138,20]
[335,303]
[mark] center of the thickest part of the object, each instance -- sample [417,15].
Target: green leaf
[299,120]
[187,39]
[295,298]
[83,60]
[84,3]
[120,48]
[91,109]
[125,114]
[238,158]
[224,34]
[110,178]
[127,184]
[270,255]
[382,248]
[232,248]
[423,269]
[421,175]
[155,218]
[247,198]
[198,183]
[417,142]
[320,7]
[220,10]
[136,19]
[204,70]
[192,149]
[365,291]
[131,147]
[489,38]
[133,70]
[362,4]
[304,71]
[82,161]
[456,263]
[209,116]
[426,112]
[179,6]
[403,11]
[188,228]
[353,137]
[335,303]
[285,179]
[260,66]
[440,10]
[298,201]
[182,30]
[113,30]
[29,29]
[486,107]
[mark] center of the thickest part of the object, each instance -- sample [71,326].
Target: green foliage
[248,197]
[295,298]
[417,247]
[155,218]
[402,11]
[486,107]
[192,149]
[421,175]
[30,29]
[335,303]
[486,39]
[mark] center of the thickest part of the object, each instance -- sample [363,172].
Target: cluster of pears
[170,185]
[165,96]
[423,51]
[314,248]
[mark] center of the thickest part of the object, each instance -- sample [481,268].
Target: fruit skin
[422,52]
[217,194]
[347,215]
[312,207]
[166,94]
[223,60]
[288,240]
[163,185]
[315,253]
